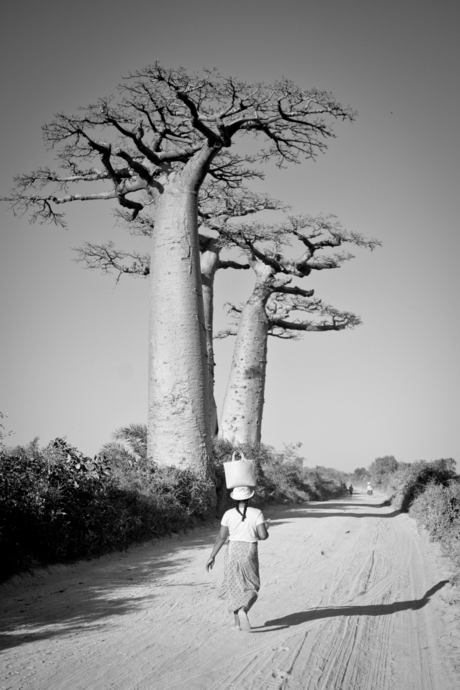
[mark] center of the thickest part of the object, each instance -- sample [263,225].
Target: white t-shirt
[239,530]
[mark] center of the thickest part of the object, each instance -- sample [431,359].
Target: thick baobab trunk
[241,420]
[178,428]
[209,265]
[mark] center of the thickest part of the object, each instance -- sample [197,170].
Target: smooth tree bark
[178,376]
[276,308]
[107,258]
[163,135]
[217,206]
[209,265]
[241,420]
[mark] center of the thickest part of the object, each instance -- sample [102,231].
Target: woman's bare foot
[244,620]
[236,625]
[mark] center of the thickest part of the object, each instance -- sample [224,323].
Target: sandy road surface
[352,598]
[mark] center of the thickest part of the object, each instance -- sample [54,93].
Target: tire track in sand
[350,601]
[357,645]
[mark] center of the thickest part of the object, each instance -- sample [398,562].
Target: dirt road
[352,598]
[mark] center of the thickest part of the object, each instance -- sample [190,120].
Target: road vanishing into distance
[353,597]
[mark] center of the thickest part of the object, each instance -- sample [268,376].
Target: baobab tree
[278,308]
[218,205]
[163,134]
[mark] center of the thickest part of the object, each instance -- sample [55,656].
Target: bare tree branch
[269,243]
[233,264]
[294,290]
[107,258]
[160,121]
[283,312]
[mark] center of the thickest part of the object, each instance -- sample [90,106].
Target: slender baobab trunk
[241,420]
[178,421]
[209,265]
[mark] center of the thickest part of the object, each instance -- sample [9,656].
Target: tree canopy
[149,149]
[161,120]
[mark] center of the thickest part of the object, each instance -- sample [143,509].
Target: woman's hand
[220,541]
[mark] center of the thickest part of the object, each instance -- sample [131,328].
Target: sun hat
[242,493]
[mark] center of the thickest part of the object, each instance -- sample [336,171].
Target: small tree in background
[129,445]
[382,468]
[360,475]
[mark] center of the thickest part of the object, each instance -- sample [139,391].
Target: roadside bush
[57,505]
[438,510]
[410,480]
[281,476]
[430,492]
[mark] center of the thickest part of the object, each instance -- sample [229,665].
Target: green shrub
[438,510]
[382,469]
[280,475]
[360,476]
[430,491]
[57,505]
[410,480]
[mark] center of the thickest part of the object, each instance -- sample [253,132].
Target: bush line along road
[353,597]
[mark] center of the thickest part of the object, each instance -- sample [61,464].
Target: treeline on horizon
[428,491]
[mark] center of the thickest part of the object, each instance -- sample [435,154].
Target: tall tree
[278,308]
[218,205]
[163,134]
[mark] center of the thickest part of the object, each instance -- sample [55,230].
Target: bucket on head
[239,472]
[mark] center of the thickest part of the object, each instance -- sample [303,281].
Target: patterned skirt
[241,575]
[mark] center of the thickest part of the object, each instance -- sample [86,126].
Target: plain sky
[74,345]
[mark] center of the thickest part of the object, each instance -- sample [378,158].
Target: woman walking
[243,526]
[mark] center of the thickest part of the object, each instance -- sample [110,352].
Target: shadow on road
[317,513]
[300,617]
[354,504]
[322,509]
[346,513]
[88,596]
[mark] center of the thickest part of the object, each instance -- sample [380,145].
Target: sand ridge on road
[352,598]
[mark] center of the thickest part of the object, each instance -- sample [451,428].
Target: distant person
[370,491]
[350,489]
[243,527]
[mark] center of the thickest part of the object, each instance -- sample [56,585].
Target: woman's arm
[262,531]
[218,544]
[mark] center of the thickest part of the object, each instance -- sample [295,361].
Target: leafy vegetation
[281,475]
[405,481]
[3,432]
[429,491]
[438,510]
[57,505]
